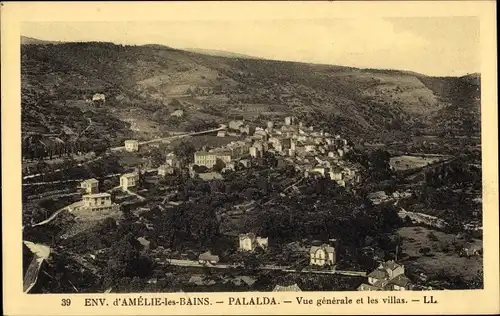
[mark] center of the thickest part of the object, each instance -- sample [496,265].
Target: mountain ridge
[219,53]
[144,81]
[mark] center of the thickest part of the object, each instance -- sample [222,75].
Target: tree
[251,262]
[425,251]
[185,151]
[219,165]
[107,185]
[157,157]
[200,169]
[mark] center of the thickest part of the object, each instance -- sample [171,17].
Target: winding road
[193,263]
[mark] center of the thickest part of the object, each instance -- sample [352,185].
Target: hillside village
[307,151]
[229,179]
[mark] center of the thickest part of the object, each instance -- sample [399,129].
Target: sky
[436,46]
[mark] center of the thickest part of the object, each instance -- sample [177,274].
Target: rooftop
[202,153]
[248,235]
[326,247]
[207,256]
[391,265]
[287,288]
[400,280]
[368,287]
[128,175]
[97,195]
[379,274]
[91,181]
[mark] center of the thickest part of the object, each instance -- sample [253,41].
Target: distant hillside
[30,40]
[150,82]
[220,53]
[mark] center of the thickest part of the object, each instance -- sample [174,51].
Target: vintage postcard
[217,158]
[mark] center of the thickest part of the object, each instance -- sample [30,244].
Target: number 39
[65,302]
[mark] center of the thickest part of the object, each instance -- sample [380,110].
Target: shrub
[432,237]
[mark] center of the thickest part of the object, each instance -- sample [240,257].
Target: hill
[220,53]
[25,40]
[147,83]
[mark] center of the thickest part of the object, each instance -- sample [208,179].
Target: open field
[412,162]
[443,257]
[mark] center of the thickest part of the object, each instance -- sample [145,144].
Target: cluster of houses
[315,153]
[95,201]
[388,276]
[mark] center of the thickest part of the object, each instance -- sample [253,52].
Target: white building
[163,170]
[249,242]
[131,145]
[322,255]
[129,180]
[389,276]
[90,186]
[172,160]
[221,134]
[97,202]
[289,120]
[202,158]
[99,98]
[255,152]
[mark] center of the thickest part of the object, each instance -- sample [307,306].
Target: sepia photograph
[214,163]
[324,154]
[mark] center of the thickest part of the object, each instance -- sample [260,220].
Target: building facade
[250,242]
[131,145]
[90,186]
[128,180]
[322,255]
[206,159]
[97,202]
[164,170]
[389,276]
